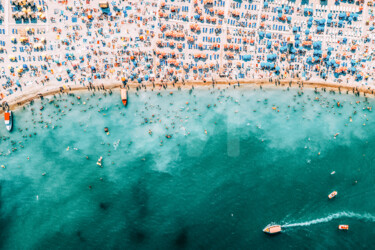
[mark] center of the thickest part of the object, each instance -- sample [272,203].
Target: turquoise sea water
[255,165]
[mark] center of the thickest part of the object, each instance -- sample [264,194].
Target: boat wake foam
[366,217]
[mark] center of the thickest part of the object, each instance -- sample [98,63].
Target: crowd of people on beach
[62,43]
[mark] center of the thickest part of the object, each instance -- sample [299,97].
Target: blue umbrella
[307,31]
[146,77]
[139,80]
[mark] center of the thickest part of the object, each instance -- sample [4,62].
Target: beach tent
[246,58]
[317,45]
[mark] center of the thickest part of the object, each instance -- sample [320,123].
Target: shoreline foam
[21,98]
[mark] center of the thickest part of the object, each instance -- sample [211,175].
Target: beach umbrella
[269,35]
[265,4]
[289,18]
[295,29]
[307,31]
[146,77]
[139,80]
[330,15]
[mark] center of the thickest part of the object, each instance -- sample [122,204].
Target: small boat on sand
[272,229]
[333,194]
[124,96]
[8,119]
[99,162]
[344,227]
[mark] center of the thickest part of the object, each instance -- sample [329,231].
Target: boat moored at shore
[124,96]
[8,119]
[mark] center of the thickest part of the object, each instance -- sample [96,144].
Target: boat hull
[124,96]
[8,119]
[272,229]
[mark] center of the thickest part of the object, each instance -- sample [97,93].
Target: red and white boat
[124,96]
[344,227]
[272,229]
[8,118]
[333,194]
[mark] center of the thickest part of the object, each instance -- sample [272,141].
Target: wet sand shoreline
[21,98]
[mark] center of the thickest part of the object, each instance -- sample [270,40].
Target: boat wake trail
[366,217]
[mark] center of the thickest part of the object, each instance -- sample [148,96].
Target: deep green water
[218,190]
